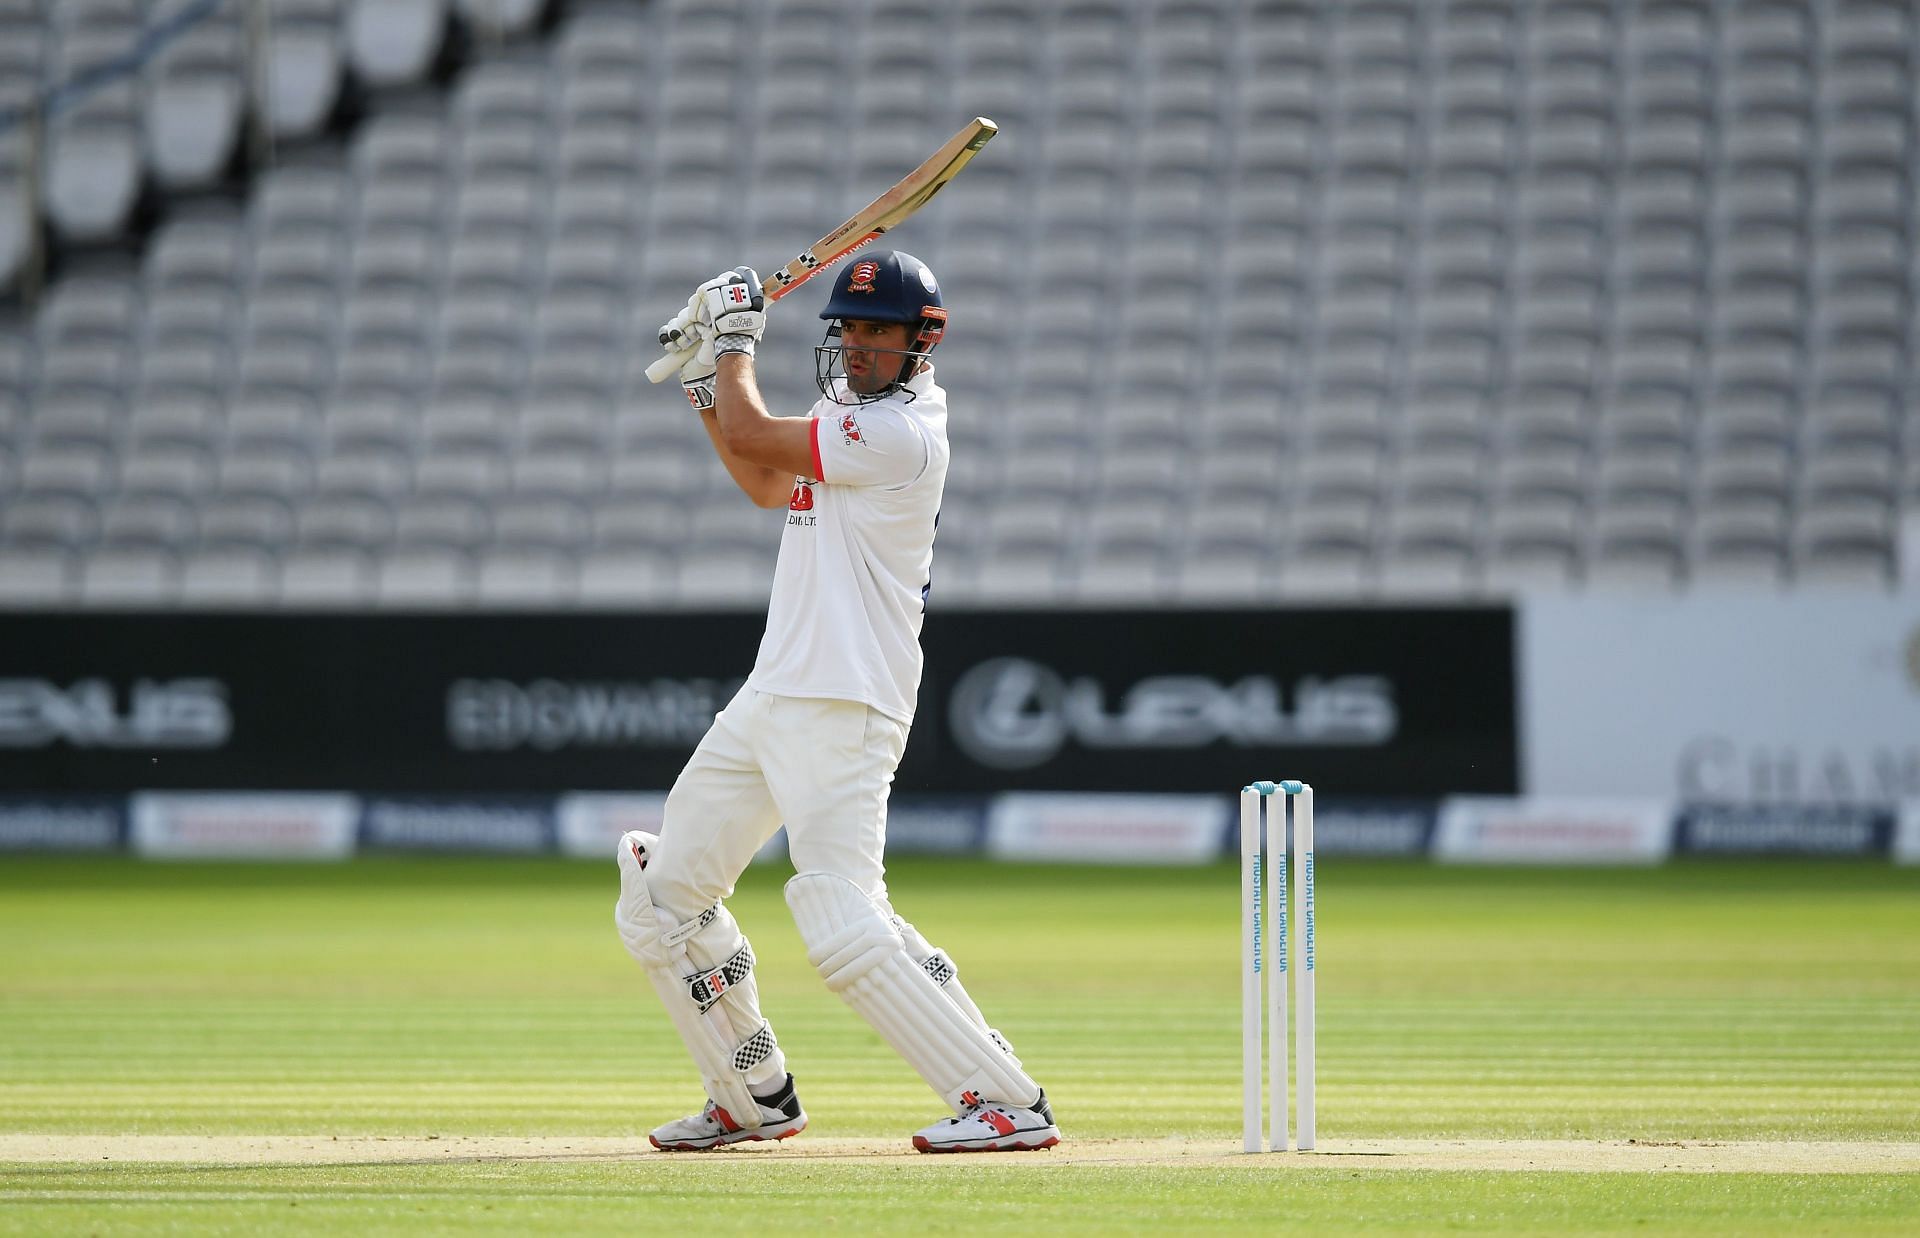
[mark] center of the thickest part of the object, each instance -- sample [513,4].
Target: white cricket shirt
[849,590]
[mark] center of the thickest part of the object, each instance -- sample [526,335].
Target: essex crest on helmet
[888,286]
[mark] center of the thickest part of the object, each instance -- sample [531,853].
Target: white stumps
[1250,883]
[1303,975]
[1268,948]
[1277,981]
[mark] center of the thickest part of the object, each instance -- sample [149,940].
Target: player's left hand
[697,372]
[732,303]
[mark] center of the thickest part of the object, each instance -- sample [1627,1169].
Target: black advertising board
[1389,702]
[1358,701]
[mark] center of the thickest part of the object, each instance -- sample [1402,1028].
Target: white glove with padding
[733,304]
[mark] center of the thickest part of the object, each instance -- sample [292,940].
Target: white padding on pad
[861,956]
[703,971]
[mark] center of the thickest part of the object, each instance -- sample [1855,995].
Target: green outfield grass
[430,997]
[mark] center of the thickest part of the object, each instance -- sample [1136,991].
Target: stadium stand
[1251,300]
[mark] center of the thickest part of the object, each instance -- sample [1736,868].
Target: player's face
[870,370]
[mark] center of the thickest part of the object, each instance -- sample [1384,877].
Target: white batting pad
[703,971]
[863,958]
[935,963]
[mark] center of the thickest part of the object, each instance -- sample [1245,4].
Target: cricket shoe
[993,1127]
[781,1117]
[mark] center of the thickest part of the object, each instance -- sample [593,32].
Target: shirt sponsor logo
[93,713]
[1013,713]
[850,429]
[802,500]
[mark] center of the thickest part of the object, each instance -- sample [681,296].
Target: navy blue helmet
[888,285]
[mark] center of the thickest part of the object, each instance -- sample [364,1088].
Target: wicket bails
[1264,949]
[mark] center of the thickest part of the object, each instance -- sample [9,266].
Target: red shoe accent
[920,1144]
[726,1119]
[999,1121]
[724,1143]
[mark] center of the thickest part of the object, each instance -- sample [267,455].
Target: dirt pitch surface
[1572,1156]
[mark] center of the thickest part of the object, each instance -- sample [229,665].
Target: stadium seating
[1252,301]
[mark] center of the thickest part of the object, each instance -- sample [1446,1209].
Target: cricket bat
[884,213]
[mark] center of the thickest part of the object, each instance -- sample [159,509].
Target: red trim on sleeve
[813,441]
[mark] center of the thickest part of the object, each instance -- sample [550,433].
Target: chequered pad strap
[939,966]
[756,1049]
[708,987]
[687,928]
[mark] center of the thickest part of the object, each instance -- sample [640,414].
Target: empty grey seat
[392,42]
[196,93]
[626,575]
[128,577]
[1842,549]
[93,164]
[35,577]
[304,66]
[231,577]
[525,578]
[725,576]
[501,17]
[423,578]
[326,577]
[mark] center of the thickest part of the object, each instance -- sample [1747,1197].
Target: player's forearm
[783,444]
[765,486]
[738,408]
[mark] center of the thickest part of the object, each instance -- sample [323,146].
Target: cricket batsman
[813,737]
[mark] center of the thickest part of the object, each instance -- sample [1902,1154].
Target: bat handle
[666,367]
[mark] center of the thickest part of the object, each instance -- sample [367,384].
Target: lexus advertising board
[1381,702]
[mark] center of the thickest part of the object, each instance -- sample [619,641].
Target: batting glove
[697,372]
[733,306]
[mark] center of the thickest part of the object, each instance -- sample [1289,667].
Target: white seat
[392,42]
[326,578]
[304,66]
[195,96]
[423,578]
[1123,574]
[233,576]
[626,576]
[524,578]
[1223,571]
[31,577]
[725,577]
[128,578]
[1033,572]
[93,166]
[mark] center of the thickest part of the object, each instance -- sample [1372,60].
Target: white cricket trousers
[823,767]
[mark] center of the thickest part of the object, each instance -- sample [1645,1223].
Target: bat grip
[666,367]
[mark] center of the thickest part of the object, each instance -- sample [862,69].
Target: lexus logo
[1014,713]
[98,713]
